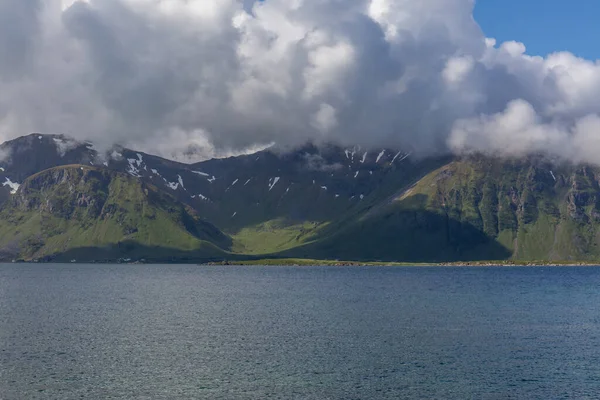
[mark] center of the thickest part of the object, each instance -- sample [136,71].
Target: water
[186,332]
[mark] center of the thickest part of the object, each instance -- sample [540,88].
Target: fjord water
[169,332]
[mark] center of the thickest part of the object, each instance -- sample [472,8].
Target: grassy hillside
[67,208]
[478,209]
[334,205]
[274,236]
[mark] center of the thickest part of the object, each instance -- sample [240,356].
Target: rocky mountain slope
[480,209]
[87,213]
[58,199]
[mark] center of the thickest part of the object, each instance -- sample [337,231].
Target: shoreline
[296,262]
[329,263]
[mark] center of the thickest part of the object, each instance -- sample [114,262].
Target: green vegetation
[67,208]
[274,236]
[432,212]
[477,209]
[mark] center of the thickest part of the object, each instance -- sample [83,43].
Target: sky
[546,26]
[191,79]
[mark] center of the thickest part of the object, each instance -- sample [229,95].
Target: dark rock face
[65,192]
[30,154]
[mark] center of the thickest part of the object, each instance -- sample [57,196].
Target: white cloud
[325,119]
[519,131]
[457,69]
[221,76]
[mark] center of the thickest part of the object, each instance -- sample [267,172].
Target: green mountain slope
[107,214]
[478,209]
[323,202]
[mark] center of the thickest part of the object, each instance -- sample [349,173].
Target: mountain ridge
[314,202]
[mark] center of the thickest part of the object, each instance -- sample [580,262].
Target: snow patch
[1,169]
[380,156]
[211,180]
[362,196]
[324,187]
[405,157]
[232,185]
[201,173]
[12,185]
[247,182]
[201,197]
[347,153]
[40,138]
[337,195]
[364,158]
[105,163]
[115,154]
[273,182]
[173,185]
[234,214]
[155,172]
[553,177]
[132,169]
[356,174]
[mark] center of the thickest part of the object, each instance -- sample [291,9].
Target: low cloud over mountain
[199,78]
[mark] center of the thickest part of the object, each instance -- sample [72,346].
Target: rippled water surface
[170,332]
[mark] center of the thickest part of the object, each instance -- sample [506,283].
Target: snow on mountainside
[275,185]
[310,202]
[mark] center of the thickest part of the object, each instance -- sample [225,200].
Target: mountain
[479,208]
[62,199]
[87,213]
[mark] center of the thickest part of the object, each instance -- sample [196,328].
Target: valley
[63,200]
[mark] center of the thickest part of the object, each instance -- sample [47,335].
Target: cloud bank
[198,78]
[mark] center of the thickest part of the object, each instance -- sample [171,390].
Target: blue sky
[544,26]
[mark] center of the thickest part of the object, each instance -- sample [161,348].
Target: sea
[197,332]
